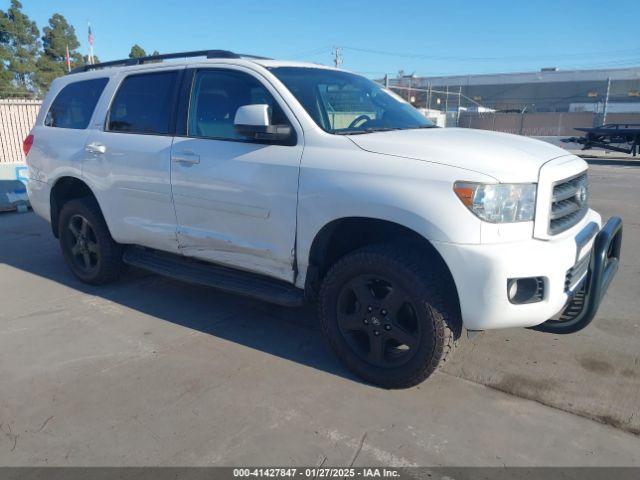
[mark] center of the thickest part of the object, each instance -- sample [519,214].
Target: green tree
[6,86]
[56,37]
[156,52]
[19,47]
[137,51]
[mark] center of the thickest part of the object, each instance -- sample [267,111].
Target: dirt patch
[614,422]
[523,386]
[627,372]
[596,365]
[532,389]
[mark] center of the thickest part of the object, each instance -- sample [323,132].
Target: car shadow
[26,243]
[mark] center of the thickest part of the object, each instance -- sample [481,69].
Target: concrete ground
[149,371]
[595,372]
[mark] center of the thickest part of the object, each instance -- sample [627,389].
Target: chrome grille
[576,273]
[569,203]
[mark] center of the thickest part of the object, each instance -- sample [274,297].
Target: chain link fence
[547,124]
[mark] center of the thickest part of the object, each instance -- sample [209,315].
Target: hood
[505,157]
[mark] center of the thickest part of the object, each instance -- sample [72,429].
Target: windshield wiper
[349,132]
[366,130]
[423,126]
[381,129]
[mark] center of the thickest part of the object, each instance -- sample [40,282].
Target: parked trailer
[618,137]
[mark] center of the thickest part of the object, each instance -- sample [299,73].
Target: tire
[386,316]
[84,237]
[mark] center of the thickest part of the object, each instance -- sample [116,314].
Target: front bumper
[481,272]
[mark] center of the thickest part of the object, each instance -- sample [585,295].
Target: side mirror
[252,121]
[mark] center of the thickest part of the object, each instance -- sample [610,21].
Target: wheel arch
[345,235]
[64,189]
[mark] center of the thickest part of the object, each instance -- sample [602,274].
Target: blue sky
[428,37]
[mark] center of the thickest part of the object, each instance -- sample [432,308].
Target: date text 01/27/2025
[316,472]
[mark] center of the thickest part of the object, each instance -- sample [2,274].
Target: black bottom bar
[582,308]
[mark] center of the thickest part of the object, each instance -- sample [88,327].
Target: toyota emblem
[581,195]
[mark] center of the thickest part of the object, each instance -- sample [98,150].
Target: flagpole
[91,57]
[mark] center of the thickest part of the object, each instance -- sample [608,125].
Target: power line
[310,53]
[561,68]
[338,58]
[631,52]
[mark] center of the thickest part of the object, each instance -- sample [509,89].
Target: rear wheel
[386,316]
[87,246]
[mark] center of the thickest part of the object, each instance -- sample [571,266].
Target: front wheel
[386,316]
[90,252]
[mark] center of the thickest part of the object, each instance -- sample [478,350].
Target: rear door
[128,159]
[235,198]
[61,128]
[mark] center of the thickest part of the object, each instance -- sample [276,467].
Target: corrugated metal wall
[17,117]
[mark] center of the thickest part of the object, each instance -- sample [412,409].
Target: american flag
[68,58]
[91,59]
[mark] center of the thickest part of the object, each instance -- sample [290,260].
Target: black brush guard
[583,306]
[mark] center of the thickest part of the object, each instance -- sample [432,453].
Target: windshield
[348,104]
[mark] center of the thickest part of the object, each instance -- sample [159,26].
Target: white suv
[294,182]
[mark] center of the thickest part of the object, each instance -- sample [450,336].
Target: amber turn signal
[465,194]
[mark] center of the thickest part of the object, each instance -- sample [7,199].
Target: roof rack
[166,56]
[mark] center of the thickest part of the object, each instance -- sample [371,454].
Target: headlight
[499,202]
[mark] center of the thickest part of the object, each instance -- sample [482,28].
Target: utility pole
[459,102]
[337,57]
[446,100]
[606,102]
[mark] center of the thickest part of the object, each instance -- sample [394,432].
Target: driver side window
[215,98]
[347,104]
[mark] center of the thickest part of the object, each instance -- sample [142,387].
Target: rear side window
[144,104]
[74,105]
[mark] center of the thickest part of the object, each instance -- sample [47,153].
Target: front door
[235,199]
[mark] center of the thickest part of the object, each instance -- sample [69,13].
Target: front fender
[415,194]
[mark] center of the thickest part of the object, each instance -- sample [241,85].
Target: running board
[229,280]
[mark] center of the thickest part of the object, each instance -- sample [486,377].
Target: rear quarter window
[75,103]
[144,104]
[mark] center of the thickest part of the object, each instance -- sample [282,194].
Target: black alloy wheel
[389,314]
[378,320]
[82,244]
[92,255]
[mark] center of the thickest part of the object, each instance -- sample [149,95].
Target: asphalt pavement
[149,371]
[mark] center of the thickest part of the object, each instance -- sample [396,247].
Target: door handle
[96,147]
[189,158]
